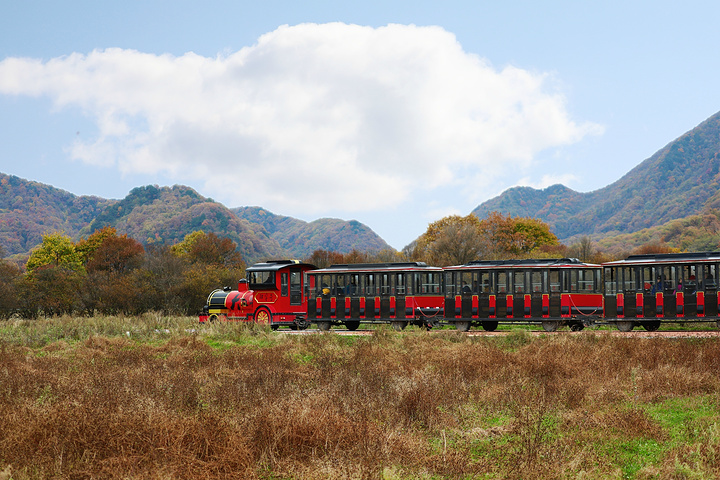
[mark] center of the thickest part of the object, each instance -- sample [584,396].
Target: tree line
[108,273]
[456,240]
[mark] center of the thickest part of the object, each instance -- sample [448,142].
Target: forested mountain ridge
[678,181]
[298,237]
[163,215]
[29,209]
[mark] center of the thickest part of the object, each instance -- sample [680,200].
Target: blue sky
[391,113]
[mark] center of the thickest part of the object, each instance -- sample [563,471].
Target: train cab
[649,290]
[396,293]
[272,294]
[550,292]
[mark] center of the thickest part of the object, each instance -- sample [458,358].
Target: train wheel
[301,324]
[399,326]
[489,326]
[352,326]
[551,325]
[625,325]
[263,316]
[323,326]
[652,325]
[577,327]
[213,318]
[463,326]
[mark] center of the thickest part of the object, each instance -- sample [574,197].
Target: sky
[392,113]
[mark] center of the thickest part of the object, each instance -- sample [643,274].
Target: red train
[642,290]
[552,292]
[394,293]
[274,294]
[649,290]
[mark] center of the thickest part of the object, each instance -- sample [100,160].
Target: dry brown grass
[410,405]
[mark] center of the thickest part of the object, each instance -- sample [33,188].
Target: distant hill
[30,209]
[696,233]
[164,215]
[680,180]
[301,238]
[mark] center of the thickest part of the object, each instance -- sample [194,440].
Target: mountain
[678,181]
[164,215]
[300,238]
[30,209]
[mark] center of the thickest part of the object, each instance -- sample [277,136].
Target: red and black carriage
[395,293]
[649,290]
[274,293]
[550,292]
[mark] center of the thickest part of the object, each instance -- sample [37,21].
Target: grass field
[165,398]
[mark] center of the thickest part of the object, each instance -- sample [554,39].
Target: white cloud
[311,117]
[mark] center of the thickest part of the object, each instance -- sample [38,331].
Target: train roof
[367,267]
[278,265]
[526,263]
[655,258]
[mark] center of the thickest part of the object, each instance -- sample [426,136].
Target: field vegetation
[163,397]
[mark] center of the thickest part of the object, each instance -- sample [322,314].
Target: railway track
[502,333]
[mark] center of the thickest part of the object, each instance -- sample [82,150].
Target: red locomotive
[273,294]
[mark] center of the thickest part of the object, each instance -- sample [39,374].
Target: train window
[611,281]
[352,284]
[385,286]
[501,282]
[465,282]
[430,283]
[400,284]
[554,281]
[309,284]
[628,280]
[518,282]
[408,284]
[261,279]
[710,276]
[688,278]
[647,278]
[668,278]
[324,284]
[340,285]
[571,278]
[370,285]
[485,285]
[586,281]
[536,281]
[597,273]
[450,283]
[284,284]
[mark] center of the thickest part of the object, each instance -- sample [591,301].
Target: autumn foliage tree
[452,240]
[10,274]
[209,262]
[458,240]
[111,263]
[114,274]
[54,278]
